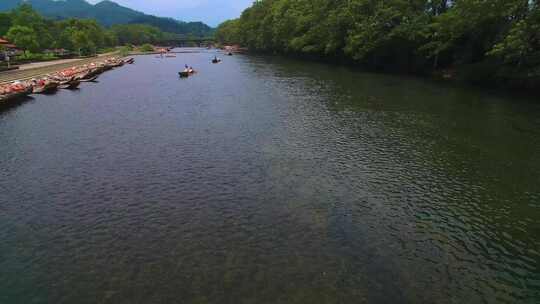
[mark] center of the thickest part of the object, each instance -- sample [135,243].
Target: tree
[5,23]
[406,35]
[24,37]
[522,40]
[229,32]
[26,16]
[81,41]
[65,40]
[110,38]
[137,34]
[35,33]
[147,48]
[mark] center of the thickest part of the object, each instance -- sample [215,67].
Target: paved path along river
[31,70]
[266,180]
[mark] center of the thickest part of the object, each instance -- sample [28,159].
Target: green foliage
[83,36]
[521,44]
[170,25]
[108,13]
[5,23]
[30,31]
[110,38]
[24,37]
[107,50]
[25,15]
[81,41]
[409,35]
[137,34]
[125,50]
[37,57]
[146,48]
[229,31]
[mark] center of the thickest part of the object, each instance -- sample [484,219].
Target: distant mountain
[107,13]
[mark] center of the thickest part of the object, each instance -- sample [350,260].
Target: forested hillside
[33,33]
[489,41]
[108,13]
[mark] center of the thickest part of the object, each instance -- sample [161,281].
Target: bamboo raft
[69,79]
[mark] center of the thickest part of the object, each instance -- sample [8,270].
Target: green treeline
[33,33]
[478,40]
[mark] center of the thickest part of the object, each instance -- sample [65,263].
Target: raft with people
[187,72]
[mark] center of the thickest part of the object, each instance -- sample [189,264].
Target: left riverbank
[34,70]
[49,77]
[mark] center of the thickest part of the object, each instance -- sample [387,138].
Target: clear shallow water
[265,180]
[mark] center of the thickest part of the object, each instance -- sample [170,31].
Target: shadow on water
[12,104]
[461,160]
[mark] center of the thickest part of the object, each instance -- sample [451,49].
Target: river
[269,180]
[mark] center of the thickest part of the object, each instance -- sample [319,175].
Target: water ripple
[271,181]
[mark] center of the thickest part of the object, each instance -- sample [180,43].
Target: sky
[211,12]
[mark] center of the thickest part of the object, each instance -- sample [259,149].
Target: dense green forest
[33,33]
[489,41]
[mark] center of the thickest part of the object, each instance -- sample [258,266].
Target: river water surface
[266,180]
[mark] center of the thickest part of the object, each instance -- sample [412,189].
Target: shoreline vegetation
[41,39]
[493,43]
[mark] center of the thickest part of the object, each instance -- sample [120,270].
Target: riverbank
[483,75]
[57,77]
[39,69]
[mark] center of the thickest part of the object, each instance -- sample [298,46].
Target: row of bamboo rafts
[69,78]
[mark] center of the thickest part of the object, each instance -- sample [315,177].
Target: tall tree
[5,23]
[24,37]
[407,35]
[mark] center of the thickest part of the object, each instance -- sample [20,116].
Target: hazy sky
[211,12]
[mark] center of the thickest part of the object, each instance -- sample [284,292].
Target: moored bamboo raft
[72,85]
[69,78]
[15,90]
[90,79]
[44,85]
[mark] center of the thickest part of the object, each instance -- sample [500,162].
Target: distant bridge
[188,41]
